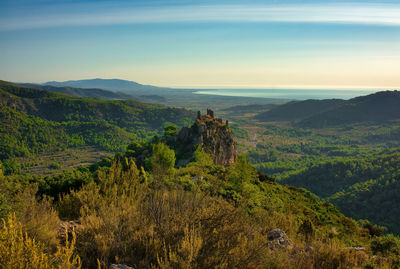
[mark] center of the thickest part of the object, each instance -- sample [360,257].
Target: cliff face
[212,135]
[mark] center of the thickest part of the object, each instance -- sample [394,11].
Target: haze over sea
[296,94]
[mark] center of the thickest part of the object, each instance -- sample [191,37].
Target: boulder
[120,266]
[278,239]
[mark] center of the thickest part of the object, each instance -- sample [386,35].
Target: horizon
[236,87]
[223,44]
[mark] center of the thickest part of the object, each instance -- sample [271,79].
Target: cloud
[376,14]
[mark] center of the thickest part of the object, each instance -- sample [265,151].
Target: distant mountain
[186,98]
[252,108]
[80,92]
[374,108]
[298,110]
[116,85]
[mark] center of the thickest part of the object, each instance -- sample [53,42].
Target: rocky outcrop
[212,135]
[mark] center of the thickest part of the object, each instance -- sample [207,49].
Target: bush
[18,250]
[386,245]
[55,165]
[162,161]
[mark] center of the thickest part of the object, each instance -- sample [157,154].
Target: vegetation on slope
[198,216]
[363,188]
[35,121]
[150,214]
[298,110]
[379,107]
[80,92]
[375,108]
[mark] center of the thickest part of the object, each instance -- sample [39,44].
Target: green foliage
[307,230]
[200,216]
[11,167]
[55,165]
[170,130]
[298,110]
[373,230]
[33,121]
[363,189]
[202,158]
[374,108]
[162,161]
[239,132]
[386,245]
[241,172]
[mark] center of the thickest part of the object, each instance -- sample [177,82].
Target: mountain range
[115,85]
[80,92]
[379,107]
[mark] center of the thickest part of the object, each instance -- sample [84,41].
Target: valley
[250,165]
[148,134]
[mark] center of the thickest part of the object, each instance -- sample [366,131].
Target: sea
[293,94]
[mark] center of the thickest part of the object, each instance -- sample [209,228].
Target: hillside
[80,92]
[374,108]
[252,108]
[380,107]
[127,114]
[35,121]
[201,215]
[298,110]
[363,189]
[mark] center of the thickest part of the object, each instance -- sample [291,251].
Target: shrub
[55,165]
[39,219]
[386,245]
[18,250]
[162,161]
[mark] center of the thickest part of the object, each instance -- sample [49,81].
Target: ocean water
[295,94]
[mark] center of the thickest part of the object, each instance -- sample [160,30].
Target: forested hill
[363,188]
[298,110]
[374,108]
[200,215]
[34,120]
[80,92]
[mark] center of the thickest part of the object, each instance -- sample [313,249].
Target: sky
[319,44]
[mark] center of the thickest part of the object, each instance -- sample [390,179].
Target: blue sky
[255,44]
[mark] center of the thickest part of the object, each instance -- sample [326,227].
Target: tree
[170,131]
[162,161]
[307,229]
[202,158]
[241,171]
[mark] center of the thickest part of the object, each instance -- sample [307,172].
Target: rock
[197,178]
[356,249]
[120,266]
[278,239]
[212,135]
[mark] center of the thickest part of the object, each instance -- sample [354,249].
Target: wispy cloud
[378,14]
